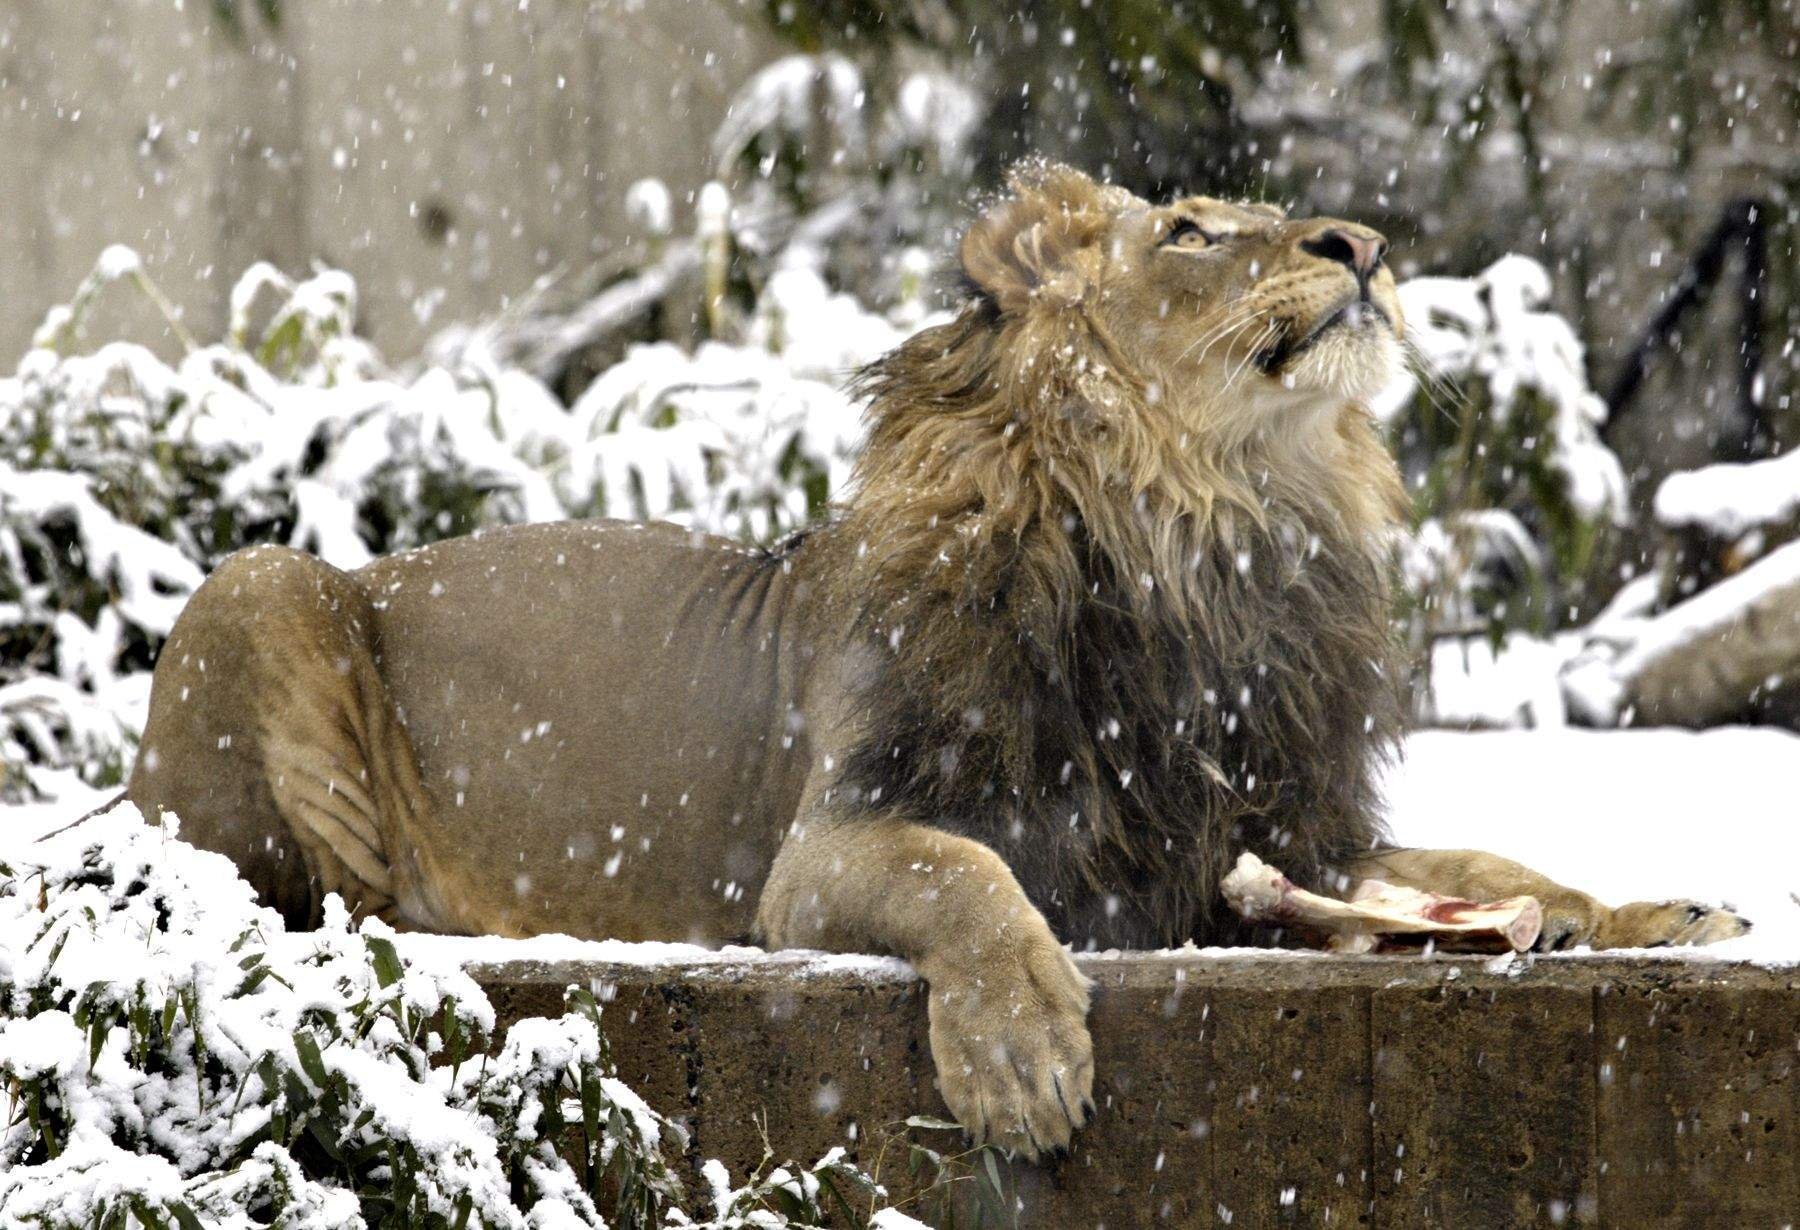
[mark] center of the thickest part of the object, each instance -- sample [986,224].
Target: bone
[1382,916]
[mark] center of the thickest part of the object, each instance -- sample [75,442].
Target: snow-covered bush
[1513,490]
[813,134]
[1515,496]
[172,1058]
[1516,500]
[125,478]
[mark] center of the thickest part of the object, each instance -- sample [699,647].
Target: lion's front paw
[1654,924]
[1011,1045]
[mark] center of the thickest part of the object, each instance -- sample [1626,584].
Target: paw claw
[1015,1051]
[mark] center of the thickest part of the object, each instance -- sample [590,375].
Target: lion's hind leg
[1571,917]
[274,739]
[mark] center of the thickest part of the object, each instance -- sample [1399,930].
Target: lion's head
[1200,361]
[1227,310]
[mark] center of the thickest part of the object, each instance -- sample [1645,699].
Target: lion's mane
[1115,654]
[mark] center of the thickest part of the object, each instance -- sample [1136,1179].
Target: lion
[1108,603]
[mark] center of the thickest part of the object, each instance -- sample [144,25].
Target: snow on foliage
[819,104]
[649,206]
[1495,328]
[1498,434]
[171,1055]
[1516,497]
[124,478]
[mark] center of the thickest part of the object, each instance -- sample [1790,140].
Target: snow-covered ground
[1626,815]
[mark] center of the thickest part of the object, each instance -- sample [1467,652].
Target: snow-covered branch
[1704,660]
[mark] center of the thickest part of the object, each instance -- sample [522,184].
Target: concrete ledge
[1270,1089]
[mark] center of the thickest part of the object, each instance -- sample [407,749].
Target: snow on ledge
[493,950]
[565,956]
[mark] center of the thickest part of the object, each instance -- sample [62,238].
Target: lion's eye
[1187,234]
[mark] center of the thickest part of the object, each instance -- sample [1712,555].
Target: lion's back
[598,710]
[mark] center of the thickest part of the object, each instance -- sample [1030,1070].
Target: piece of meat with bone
[1381,916]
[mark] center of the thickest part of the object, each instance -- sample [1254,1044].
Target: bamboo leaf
[306,1047]
[388,967]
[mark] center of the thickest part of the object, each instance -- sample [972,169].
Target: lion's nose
[1360,250]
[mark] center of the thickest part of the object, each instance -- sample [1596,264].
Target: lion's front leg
[1008,1008]
[1571,917]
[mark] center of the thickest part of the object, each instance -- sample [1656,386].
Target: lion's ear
[1042,238]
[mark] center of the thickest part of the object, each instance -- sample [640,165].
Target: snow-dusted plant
[809,119]
[124,478]
[813,135]
[786,1195]
[750,441]
[170,1057]
[1515,494]
[1499,440]
[793,103]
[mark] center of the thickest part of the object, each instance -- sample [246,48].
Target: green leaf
[283,341]
[388,967]
[140,1030]
[306,1047]
[993,1192]
[257,977]
[829,1184]
[591,1141]
[326,1139]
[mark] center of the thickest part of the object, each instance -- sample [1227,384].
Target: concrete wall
[444,151]
[1274,1090]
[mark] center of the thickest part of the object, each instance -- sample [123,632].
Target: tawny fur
[1120,641]
[1106,660]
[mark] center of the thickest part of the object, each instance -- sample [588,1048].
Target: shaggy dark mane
[1090,651]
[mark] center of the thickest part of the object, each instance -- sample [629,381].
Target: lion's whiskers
[1233,333]
[1235,316]
[1254,351]
[1230,335]
[1443,397]
[1203,343]
[1268,333]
